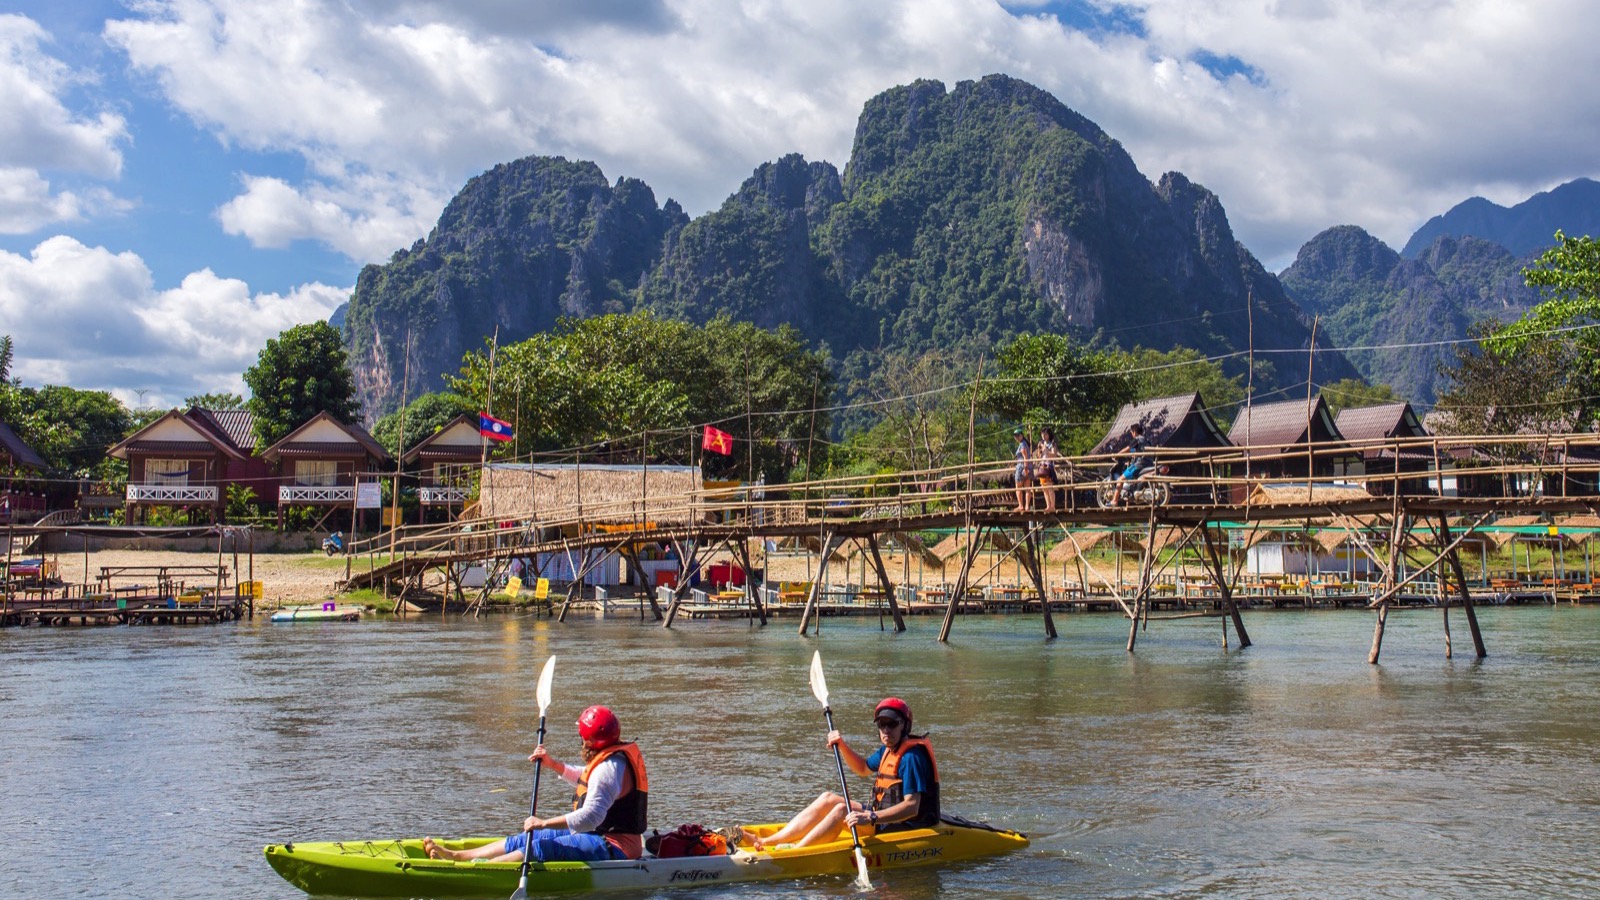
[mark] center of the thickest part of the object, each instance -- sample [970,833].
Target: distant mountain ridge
[1529,226]
[1369,295]
[963,218]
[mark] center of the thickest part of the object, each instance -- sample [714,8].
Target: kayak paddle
[542,693]
[819,689]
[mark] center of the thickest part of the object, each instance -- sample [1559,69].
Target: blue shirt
[915,770]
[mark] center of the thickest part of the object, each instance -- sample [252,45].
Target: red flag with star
[716,441]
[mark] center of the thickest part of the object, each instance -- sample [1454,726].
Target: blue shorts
[1131,472]
[561,845]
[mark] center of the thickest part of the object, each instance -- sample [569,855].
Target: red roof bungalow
[1171,423]
[444,463]
[1292,439]
[188,459]
[321,461]
[1368,427]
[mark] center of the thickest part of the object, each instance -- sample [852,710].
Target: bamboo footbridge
[1403,521]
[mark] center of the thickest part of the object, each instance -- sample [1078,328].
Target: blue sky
[182,179]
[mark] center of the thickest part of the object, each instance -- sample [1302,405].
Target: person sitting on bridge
[607,820]
[1137,462]
[905,790]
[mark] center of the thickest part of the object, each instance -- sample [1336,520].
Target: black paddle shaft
[844,785]
[533,810]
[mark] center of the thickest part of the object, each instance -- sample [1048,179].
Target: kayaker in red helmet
[905,790]
[609,808]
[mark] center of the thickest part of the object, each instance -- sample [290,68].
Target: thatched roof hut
[1501,538]
[959,541]
[1278,494]
[601,494]
[1083,542]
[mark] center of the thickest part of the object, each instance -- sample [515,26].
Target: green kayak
[399,868]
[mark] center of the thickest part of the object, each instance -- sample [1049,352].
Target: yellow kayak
[399,868]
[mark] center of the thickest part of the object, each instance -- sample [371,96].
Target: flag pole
[483,439]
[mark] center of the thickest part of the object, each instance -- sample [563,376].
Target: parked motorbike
[1149,489]
[333,543]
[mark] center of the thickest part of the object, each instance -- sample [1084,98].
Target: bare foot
[435,851]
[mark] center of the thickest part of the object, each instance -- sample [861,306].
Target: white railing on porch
[319,493]
[435,495]
[164,493]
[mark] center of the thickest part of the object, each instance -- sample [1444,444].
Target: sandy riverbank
[286,577]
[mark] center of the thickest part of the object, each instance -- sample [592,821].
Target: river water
[156,761]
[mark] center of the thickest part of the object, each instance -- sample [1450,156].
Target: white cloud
[93,319]
[38,133]
[1371,114]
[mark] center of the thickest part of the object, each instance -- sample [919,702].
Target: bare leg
[829,828]
[803,823]
[494,852]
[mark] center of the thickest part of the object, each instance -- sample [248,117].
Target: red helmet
[599,727]
[896,706]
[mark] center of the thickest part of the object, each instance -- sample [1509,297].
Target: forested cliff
[964,217]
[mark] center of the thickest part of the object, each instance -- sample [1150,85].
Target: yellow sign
[541,589]
[390,514]
[1554,530]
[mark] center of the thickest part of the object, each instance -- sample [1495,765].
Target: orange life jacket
[625,820]
[887,789]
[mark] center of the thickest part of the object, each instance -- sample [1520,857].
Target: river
[156,761]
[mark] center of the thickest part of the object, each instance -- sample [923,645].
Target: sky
[181,180]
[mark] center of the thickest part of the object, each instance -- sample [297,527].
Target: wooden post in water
[885,583]
[959,592]
[1225,590]
[1396,538]
[1141,598]
[830,540]
[632,556]
[689,560]
[1030,561]
[1461,585]
[752,595]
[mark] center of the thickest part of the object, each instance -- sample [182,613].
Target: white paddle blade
[862,881]
[819,684]
[543,691]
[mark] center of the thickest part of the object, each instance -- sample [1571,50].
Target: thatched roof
[1276,494]
[1579,521]
[1501,538]
[1166,536]
[1084,541]
[957,542]
[914,544]
[591,493]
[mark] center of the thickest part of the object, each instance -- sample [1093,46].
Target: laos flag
[492,428]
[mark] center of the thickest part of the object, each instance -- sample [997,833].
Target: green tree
[605,386]
[5,359]
[69,428]
[301,372]
[1183,370]
[1048,379]
[215,401]
[423,417]
[922,406]
[1542,372]
[1354,393]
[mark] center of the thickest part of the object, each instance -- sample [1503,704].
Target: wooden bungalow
[1386,440]
[1290,439]
[321,463]
[187,459]
[19,501]
[443,464]
[1172,423]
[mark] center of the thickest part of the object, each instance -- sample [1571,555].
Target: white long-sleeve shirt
[605,783]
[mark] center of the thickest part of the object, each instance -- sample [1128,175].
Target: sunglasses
[886,724]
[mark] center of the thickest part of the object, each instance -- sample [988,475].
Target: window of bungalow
[316,472]
[168,472]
